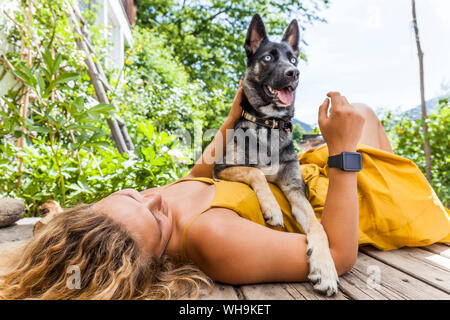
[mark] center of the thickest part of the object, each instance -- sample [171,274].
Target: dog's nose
[292,73]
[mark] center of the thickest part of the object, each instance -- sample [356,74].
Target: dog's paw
[275,220]
[322,273]
[49,209]
[272,214]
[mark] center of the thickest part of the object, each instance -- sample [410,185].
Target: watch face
[352,161]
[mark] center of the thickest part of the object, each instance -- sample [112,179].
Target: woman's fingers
[338,102]
[344,100]
[323,110]
[336,99]
[342,128]
[333,94]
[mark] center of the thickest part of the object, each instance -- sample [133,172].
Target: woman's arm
[204,166]
[234,250]
[341,129]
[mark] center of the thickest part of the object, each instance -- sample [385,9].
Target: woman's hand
[236,109]
[342,128]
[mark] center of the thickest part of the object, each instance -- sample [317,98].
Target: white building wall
[112,15]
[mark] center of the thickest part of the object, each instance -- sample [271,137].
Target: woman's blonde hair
[110,264]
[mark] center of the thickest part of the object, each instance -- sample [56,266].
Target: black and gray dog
[265,128]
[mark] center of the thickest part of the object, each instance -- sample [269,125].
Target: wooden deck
[408,273]
[405,274]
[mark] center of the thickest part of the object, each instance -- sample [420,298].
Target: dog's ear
[292,36]
[256,34]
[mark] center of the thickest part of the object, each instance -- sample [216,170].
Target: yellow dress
[397,206]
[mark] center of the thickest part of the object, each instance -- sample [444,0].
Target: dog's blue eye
[293,60]
[267,58]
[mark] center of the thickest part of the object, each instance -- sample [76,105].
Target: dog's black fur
[268,85]
[258,101]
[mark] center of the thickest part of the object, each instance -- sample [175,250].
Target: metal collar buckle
[270,123]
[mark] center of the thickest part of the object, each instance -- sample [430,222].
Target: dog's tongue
[286,96]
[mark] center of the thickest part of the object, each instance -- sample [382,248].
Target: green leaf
[56,64]
[66,77]
[147,129]
[25,75]
[40,82]
[48,60]
[102,108]
[49,89]
[40,129]
[75,126]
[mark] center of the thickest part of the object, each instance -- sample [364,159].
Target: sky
[367,51]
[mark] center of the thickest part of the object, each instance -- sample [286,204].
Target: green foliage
[68,155]
[208,36]
[98,174]
[157,86]
[297,133]
[181,73]
[407,135]
[53,125]
[316,130]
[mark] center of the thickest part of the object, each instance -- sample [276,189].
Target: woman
[153,244]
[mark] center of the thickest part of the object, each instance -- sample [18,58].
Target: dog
[49,209]
[269,84]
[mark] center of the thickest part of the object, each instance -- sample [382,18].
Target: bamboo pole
[422,95]
[99,81]
[25,100]
[101,94]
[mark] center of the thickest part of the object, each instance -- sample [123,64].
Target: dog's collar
[272,123]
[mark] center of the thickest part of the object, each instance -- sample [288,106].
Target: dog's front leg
[322,272]
[256,179]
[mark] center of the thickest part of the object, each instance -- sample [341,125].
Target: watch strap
[336,161]
[346,161]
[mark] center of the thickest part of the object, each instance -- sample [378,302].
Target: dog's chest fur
[265,137]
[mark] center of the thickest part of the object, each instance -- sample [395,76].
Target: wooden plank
[431,258]
[11,245]
[371,279]
[267,291]
[305,291]
[221,292]
[21,230]
[425,266]
[427,257]
[285,291]
[439,249]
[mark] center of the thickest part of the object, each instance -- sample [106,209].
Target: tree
[422,95]
[208,36]
[297,133]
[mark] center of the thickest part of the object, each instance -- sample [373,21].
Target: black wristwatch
[347,161]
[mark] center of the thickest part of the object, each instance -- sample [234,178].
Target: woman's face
[146,217]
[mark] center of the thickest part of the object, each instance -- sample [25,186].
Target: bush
[406,136]
[158,87]
[69,155]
